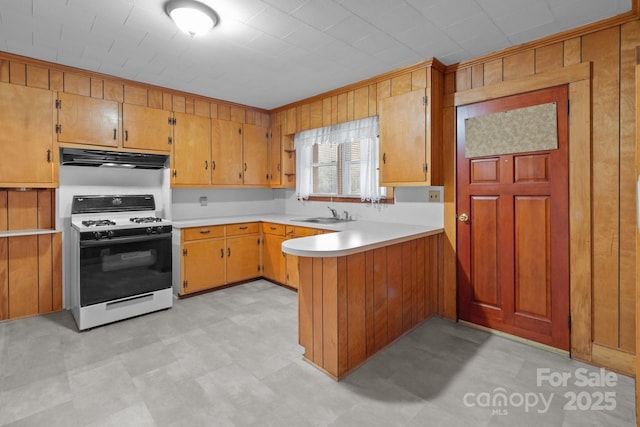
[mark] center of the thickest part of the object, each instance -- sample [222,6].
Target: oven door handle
[118,240]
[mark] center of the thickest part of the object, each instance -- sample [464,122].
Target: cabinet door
[293,274]
[403,139]
[226,152]
[273,258]
[146,128]
[243,257]
[23,286]
[203,265]
[26,139]
[86,120]
[288,161]
[191,150]
[275,157]
[256,155]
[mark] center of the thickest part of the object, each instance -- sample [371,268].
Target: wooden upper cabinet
[147,128]
[256,155]
[275,157]
[86,120]
[411,136]
[226,152]
[191,159]
[29,157]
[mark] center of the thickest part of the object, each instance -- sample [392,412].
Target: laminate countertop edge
[28,232]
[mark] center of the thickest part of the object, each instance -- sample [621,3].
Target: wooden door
[86,120]
[203,265]
[191,150]
[243,258]
[513,249]
[275,157]
[27,136]
[226,152]
[402,138]
[256,156]
[146,128]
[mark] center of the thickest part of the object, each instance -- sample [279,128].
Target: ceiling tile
[531,15]
[321,14]
[287,6]
[275,22]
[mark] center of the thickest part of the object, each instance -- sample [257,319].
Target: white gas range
[121,260]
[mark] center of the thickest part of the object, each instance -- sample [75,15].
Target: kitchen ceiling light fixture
[192,17]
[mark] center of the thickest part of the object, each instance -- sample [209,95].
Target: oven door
[112,269]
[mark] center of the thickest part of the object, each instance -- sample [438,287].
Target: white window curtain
[365,131]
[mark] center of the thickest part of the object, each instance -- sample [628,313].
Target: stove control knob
[159,229]
[149,230]
[97,235]
[110,233]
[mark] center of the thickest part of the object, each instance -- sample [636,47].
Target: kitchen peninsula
[363,288]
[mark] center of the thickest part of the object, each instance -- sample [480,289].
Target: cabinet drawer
[271,228]
[244,228]
[302,231]
[198,233]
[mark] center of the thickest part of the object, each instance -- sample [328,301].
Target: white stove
[122,258]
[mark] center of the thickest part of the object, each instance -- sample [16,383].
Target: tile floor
[230,358]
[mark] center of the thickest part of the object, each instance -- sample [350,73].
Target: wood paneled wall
[355,101]
[30,72]
[611,53]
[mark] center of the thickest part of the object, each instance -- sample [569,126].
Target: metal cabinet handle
[213,165]
[228,251]
[243,227]
[221,253]
[115,134]
[49,159]
[384,158]
[206,164]
[126,135]
[205,231]
[245,166]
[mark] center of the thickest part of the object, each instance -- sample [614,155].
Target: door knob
[463,217]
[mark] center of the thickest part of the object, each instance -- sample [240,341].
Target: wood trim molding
[566,75]
[632,15]
[578,77]
[432,62]
[614,359]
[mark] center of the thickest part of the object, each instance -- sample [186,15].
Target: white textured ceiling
[268,53]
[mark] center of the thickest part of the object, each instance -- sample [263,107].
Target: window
[339,161]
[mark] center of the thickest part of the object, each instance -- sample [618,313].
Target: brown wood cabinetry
[30,254]
[255,153]
[29,157]
[275,157]
[191,157]
[411,136]
[273,259]
[214,256]
[86,120]
[203,258]
[226,152]
[243,251]
[146,128]
[351,307]
[292,278]
[239,154]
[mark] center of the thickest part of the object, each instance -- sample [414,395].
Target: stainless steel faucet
[334,212]
[346,215]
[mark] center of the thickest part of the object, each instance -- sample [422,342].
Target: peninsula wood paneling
[353,306]
[605,317]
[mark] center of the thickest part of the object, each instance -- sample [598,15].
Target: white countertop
[351,237]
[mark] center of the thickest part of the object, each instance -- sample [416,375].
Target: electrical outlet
[434,195]
[204,201]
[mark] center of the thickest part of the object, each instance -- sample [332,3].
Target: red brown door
[513,230]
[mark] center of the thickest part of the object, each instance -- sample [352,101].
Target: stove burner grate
[144,220]
[97,222]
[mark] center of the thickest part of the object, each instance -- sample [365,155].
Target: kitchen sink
[323,220]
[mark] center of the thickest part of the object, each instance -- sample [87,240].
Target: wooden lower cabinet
[351,307]
[35,283]
[203,265]
[273,259]
[292,278]
[215,256]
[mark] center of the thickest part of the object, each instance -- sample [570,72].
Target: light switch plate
[434,195]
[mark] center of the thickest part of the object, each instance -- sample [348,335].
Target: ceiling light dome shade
[192,17]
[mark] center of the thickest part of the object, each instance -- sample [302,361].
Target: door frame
[578,79]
